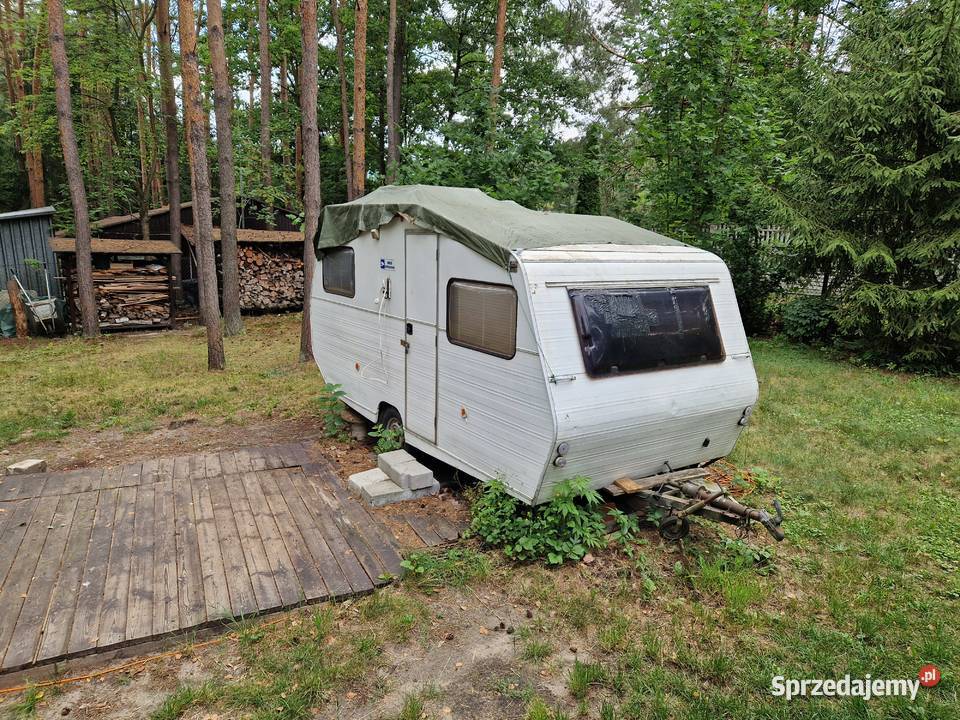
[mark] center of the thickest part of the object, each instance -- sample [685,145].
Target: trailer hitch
[686,492]
[722,501]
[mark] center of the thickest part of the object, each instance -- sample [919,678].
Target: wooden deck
[99,558]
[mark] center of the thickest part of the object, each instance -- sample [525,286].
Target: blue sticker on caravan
[386,264]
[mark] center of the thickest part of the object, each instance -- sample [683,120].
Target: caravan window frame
[343,249]
[472,346]
[711,324]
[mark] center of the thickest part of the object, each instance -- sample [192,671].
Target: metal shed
[25,235]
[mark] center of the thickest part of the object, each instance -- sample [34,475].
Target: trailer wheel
[389,418]
[674,528]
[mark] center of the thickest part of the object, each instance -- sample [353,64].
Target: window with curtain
[482,317]
[627,330]
[338,272]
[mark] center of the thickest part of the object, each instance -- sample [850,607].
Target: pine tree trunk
[393,134]
[71,160]
[497,70]
[266,93]
[223,105]
[172,155]
[344,96]
[360,100]
[251,79]
[35,153]
[202,215]
[311,162]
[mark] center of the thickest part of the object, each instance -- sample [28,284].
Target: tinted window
[483,317]
[626,330]
[338,275]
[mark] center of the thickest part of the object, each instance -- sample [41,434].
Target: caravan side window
[625,330]
[338,272]
[482,316]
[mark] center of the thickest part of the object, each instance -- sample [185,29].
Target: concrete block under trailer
[530,347]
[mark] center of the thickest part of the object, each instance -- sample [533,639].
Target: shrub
[566,528]
[808,319]
[387,439]
[330,408]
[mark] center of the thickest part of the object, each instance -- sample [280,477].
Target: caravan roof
[490,227]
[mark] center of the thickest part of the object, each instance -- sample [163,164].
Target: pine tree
[880,206]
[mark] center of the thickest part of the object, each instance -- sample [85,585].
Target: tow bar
[687,492]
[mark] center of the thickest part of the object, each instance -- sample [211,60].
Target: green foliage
[330,408]
[387,439]
[565,528]
[707,140]
[451,568]
[808,319]
[755,276]
[874,198]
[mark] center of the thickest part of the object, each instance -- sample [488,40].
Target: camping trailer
[529,346]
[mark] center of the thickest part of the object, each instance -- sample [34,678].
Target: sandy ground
[461,661]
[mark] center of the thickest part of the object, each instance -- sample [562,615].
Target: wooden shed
[24,237]
[134,281]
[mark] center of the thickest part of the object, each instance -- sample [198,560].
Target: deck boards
[99,558]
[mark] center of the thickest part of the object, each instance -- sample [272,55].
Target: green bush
[566,528]
[808,319]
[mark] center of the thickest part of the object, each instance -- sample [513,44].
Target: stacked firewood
[129,295]
[270,280]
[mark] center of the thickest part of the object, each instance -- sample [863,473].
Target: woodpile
[270,279]
[130,295]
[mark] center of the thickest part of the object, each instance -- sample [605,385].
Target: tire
[389,418]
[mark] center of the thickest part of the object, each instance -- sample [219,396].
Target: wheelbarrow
[684,493]
[43,309]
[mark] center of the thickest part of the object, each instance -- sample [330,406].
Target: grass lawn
[136,382]
[864,461]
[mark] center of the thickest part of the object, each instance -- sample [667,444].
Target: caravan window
[630,329]
[338,272]
[482,316]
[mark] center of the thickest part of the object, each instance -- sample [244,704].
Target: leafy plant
[566,528]
[330,406]
[388,439]
[808,319]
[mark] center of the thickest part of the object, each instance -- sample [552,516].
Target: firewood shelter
[270,249]
[133,280]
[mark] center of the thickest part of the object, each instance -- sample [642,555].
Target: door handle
[409,328]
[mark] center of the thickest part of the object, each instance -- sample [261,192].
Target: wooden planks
[98,558]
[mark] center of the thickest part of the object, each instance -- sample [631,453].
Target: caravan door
[420,334]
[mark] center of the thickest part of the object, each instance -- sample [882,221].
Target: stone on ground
[33,465]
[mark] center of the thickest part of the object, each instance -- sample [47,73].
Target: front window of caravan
[482,316]
[338,272]
[626,330]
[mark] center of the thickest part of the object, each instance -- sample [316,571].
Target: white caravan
[529,346]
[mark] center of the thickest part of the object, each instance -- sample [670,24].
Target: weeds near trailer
[387,439]
[454,568]
[566,528]
[330,406]
[27,707]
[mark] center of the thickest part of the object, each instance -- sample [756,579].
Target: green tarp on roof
[490,227]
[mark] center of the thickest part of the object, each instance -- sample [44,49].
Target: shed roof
[490,227]
[117,246]
[32,212]
[246,235]
[121,219]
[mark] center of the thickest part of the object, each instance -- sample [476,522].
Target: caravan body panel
[502,416]
[639,423]
[488,416]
